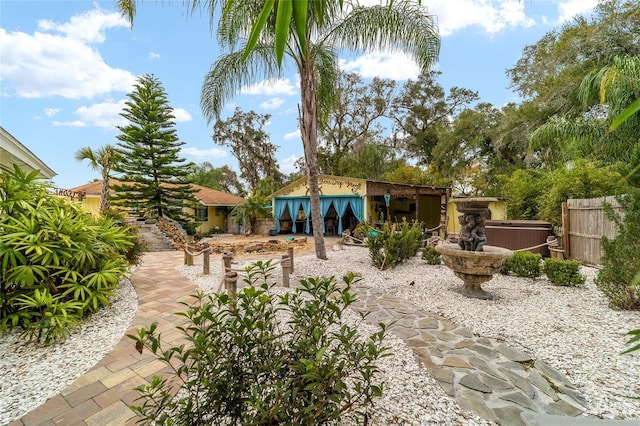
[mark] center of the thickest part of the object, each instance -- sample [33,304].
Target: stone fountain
[471,259]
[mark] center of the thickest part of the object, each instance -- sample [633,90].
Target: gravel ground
[572,329]
[31,373]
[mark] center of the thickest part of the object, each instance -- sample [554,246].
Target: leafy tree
[219,178]
[102,160]
[465,150]
[244,133]
[153,176]
[259,33]
[422,111]
[354,116]
[370,160]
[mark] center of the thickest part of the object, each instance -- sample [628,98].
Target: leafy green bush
[523,264]
[563,272]
[57,263]
[431,255]
[394,243]
[261,359]
[618,279]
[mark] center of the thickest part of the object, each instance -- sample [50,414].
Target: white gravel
[32,373]
[571,329]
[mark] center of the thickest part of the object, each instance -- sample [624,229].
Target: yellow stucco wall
[498,212]
[329,185]
[216,217]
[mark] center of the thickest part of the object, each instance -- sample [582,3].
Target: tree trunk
[309,132]
[104,194]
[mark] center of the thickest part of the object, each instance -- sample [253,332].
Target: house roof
[13,152]
[206,196]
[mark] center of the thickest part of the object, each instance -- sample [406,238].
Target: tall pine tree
[153,179]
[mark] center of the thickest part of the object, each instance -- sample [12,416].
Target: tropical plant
[153,178]
[260,358]
[252,208]
[102,160]
[619,278]
[394,243]
[431,255]
[258,34]
[57,263]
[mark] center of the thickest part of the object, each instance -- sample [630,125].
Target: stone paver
[488,377]
[496,381]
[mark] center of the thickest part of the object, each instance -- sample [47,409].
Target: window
[202,214]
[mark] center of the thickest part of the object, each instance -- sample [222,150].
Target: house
[211,212]
[12,152]
[345,202]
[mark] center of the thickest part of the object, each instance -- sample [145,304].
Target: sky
[66,68]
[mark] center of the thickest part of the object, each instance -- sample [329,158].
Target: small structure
[471,259]
[345,202]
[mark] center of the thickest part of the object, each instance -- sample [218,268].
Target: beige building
[345,202]
[12,152]
[211,211]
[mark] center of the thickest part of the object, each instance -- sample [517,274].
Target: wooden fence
[584,222]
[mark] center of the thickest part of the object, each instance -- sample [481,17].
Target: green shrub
[394,243]
[563,272]
[260,359]
[57,263]
[618,278]
[431,255]
[523,264]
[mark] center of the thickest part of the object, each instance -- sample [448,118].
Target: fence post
[226,261]
[188,258]
[290,253]
[231,282]
[566,230]
[286,265]
[205,260]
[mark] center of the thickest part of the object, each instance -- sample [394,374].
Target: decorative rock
[428,323]
[562,407]
[475,402]
[509,416]
[455,362]
[484,366]
[442,374]
[547,370]
[485,351]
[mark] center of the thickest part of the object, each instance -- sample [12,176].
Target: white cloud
[204,153]
[568,9]
[76,123]
[181,115]
[153,55]
[396,66]
[88,26]
[272,103]
[287,164]
[105,114]
[61,60]
[50,112]
[281,86]
[491,16]
[293,135]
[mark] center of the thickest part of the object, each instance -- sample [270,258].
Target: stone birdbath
[471,259]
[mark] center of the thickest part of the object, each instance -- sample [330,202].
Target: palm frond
[404,26]
[229,74]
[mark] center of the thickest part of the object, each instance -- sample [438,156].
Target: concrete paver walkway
[485,376]
[102,395]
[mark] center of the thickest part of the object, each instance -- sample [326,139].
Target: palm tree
[258,34]
[101,160]
[252,208]
[616,86]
